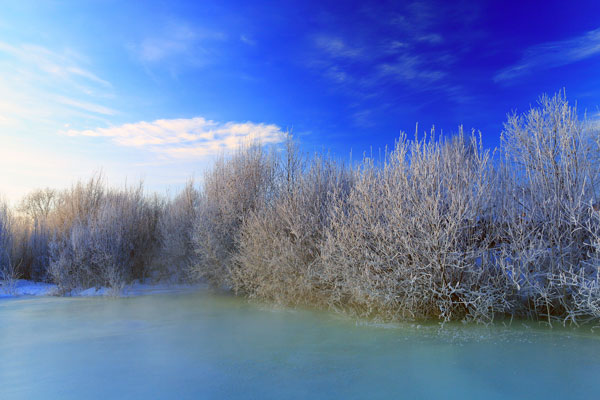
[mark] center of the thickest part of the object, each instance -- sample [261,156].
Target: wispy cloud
[249,41]
[408,68]
[363,118]
[336,47]
[186,138]
[410,54]
[367,67]
[553,54]
[64,66]
[397,50]
[176,40]
[43,83]
[432,38]
[86,106]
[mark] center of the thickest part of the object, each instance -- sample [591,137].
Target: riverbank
[24,287]
[438,228]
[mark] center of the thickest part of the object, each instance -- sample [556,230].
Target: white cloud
[553,54]
[185,138]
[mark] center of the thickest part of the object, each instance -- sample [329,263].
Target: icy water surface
[205,345]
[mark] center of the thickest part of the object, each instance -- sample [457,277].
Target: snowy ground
[24,287]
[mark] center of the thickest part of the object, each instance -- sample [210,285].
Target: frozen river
[205,345]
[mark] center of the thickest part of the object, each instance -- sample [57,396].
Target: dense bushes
[440,228]
[412,238]
[175,257]
[279,255]
[550,212]
[106,238]
[437,228]
[233,189]
[7,263]
[14,246]
[85,236]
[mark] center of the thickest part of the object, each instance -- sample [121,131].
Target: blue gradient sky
[155,89]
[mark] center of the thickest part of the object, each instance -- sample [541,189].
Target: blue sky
[155,89]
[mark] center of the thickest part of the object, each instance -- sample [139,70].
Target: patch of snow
[29,288]
[23,287]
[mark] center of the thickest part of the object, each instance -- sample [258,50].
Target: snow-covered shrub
[38,248]
[108,237]
[7,263]
[411,239]
[35,229]
[13,250]
[549,209]
[235,187]
[176,255]
[280,246]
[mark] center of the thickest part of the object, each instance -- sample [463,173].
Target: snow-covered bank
[23,287]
